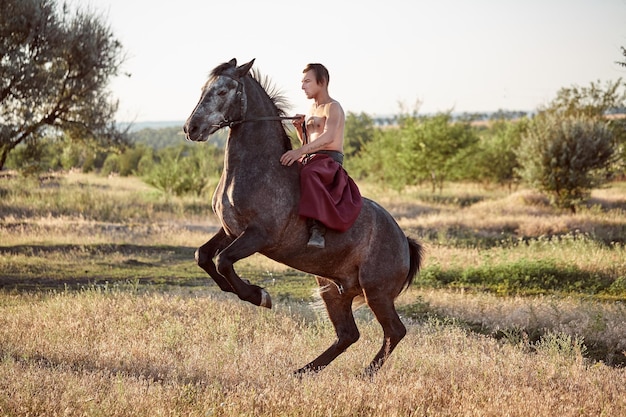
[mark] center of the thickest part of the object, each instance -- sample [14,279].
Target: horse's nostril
[190,129]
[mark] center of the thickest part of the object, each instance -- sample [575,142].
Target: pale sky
[383,56]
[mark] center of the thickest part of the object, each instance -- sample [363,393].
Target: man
[329,197]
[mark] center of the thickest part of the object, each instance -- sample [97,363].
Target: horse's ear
[243,70]
[233,62]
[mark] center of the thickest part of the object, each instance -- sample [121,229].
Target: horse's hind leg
[382,305]
[339,308]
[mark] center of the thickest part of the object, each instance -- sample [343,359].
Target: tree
[432,148]
[571,146]
[378,159]
[566,156]
[55,66]
[420,148]
[498,143]
[623,64]
[359,130]
[593,101]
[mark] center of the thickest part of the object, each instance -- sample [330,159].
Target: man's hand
[297,123]
[289,157]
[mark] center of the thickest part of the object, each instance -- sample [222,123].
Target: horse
[256,201]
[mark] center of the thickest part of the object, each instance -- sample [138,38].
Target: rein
[231,123]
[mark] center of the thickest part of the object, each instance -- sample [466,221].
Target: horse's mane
[274,93]
[276,96]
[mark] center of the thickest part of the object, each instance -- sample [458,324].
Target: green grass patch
[44,267]
[525,277]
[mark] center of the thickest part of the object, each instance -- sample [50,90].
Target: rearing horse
[257,199]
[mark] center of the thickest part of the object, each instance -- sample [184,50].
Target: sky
[384,57]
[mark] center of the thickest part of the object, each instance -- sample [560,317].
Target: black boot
[317,235]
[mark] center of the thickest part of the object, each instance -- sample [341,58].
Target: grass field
[519,310]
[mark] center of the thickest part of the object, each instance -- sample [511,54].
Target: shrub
[566,156]
[182,170]
[499,143]
[111,164]
[419,149]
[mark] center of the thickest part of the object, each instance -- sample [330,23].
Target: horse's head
[222,101]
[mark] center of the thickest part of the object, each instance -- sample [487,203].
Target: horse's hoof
[266,300]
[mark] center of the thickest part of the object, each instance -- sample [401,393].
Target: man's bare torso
[316,125]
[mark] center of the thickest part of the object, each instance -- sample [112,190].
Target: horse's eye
[221,93]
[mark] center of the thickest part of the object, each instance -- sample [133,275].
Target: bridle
[243,107]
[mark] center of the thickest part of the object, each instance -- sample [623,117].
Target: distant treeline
[163,137]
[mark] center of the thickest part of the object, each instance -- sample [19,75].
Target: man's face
[310,85]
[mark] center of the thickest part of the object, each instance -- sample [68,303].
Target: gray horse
[256,201]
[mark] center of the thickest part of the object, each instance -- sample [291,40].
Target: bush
[129,160]
[184,169]
[499,143]
[34,157]
[420,149]
[111,165]
[566,156]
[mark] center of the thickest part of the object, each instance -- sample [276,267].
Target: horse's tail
[416,253]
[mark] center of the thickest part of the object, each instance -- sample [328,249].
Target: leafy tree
[498,143]
[432,148]
[420,148]
[593,101]
[623,64]
[55,65]
[599,102]
[566,156]
[377,159]
[571,146]
[359,130]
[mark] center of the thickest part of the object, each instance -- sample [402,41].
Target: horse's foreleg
[393,329]
[204,257]
[246,244]
[339,308]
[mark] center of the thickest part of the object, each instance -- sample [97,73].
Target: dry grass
[525,213]
[119,354]
[77,208]
[599,326]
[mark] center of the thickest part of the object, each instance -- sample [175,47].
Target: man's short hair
[320,71]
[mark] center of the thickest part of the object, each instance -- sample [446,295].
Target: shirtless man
[322,177]
[326,120]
